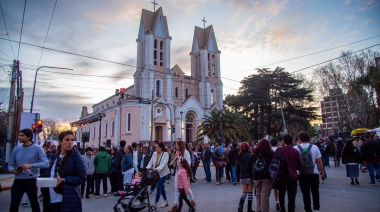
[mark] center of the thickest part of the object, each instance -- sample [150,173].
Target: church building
[162,98]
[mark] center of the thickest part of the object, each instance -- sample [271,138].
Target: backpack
[260,165]
[126,163]
[278,168]
[307,161]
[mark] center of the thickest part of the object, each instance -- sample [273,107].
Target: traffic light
[34,128]
[173,128]
[39,125]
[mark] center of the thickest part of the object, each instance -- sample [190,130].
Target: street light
[181,123]
[35,79]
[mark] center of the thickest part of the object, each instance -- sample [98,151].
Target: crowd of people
[80,172]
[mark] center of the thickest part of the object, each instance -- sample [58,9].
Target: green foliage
[232,124]
[259,101]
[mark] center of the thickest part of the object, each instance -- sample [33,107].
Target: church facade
[163,104]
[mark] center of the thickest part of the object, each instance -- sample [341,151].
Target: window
[161,53]
[209,65]
[158,86]
[176,92]
[105,129]
[212,96]
[213,65]
[155,52]
[186,93]
[128,122]
[93,137]
[113,128]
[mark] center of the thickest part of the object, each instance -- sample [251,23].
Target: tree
[232,125]
[3,125]
[259,97]
[50,129]
[354,82]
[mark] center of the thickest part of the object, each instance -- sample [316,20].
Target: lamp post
[181,122]
[35,79]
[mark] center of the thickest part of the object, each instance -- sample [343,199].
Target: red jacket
[183,180]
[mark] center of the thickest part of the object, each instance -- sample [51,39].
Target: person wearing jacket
[244,168]
[207,161]
[88,160]
[118,172]
[159,162]
[218,156]
[261,179]
[102,167]
[351,157]
[112,173]
[70,171]
[232,158]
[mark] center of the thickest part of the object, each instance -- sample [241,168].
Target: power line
[22,26]
[47,33]
[6,29]
[309,54]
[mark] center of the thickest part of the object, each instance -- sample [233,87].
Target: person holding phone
[25,162]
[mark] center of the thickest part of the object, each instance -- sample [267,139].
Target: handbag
[173,163]
[220,163]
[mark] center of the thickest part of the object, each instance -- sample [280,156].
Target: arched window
[105,129]
[158,86]
[176,92]
[128,122]
[186,93]
[155,52]
[161,53]
[212,96]
[93,137]
[213,65]
[113,128]
[209,64]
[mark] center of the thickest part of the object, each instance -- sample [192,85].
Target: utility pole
[11,110]
[283,117]
[151,119]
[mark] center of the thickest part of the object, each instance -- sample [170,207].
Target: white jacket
[162,167]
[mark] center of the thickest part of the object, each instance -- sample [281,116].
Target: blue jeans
[233,173]
[371,170]
[208,170]
[161,188]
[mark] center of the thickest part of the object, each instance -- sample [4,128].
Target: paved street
[336,195]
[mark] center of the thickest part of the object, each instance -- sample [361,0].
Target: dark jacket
[351,156]
[232,156]
[265,173]
[217,155]
[292,161]
[75,174]
[207,155]
[119,156]
[145,162]
[244,165]
[370,151]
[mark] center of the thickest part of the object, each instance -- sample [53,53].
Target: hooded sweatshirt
[89,163]
[102,162]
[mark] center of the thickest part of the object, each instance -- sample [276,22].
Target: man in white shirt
[309,182]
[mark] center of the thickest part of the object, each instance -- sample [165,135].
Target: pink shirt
[182,180]
[136,180]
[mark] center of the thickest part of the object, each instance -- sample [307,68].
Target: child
[183,181]
[136,179]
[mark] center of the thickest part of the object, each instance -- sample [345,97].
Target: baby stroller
[139,193]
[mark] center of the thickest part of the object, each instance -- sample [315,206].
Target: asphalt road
[335,196]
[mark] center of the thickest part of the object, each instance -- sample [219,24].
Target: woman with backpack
[351,157]
[244,170]
[262,157]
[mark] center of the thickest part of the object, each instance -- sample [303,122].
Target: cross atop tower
[204,22]
[154,5]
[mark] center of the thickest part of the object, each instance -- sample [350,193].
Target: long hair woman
[159,163]
[70,171]
[263,182]
[351,157]
[181,152]
[244,168]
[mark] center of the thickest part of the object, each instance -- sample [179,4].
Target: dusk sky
[250,34]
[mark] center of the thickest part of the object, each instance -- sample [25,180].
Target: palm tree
[232,124]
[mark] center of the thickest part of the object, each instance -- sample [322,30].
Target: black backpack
[260,165]
[278,168]
[307,161]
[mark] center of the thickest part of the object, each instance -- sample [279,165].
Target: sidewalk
[6,181]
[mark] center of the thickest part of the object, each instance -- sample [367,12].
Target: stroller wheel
[152,209]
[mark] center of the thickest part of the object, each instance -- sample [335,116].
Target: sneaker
[105,195]
[234,183]
[87,197]
[24,204]
[217,183]
[277,206]
[97,196]
[205,181]
[197,179]
[151,191]
[167,182]
[372,183]
[323,182]
[316,210]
